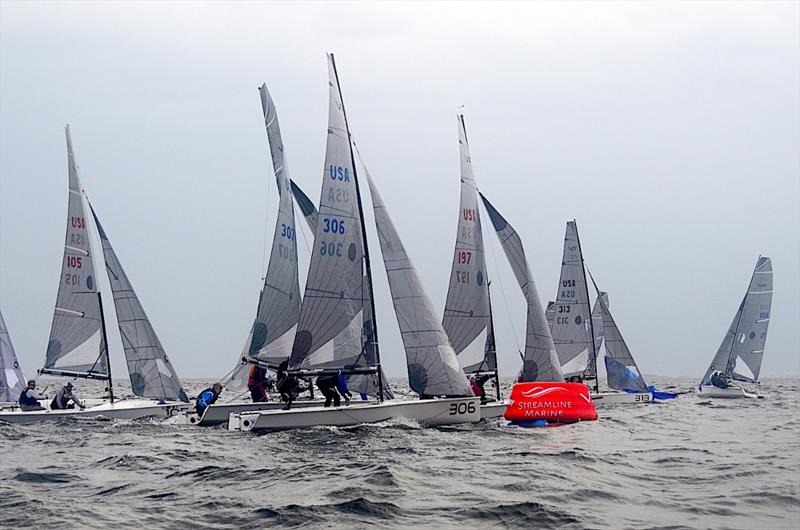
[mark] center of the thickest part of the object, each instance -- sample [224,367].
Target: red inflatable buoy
[552,402]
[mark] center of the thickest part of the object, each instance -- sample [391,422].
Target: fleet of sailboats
[331,328]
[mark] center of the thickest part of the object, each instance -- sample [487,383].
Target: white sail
[621,370]
[742,348]
[540,362]
[149,368]
[467,313]
[433,369]
[77,344]
[273,330]
[12,382]
[338,293]
[571,324]
[597,324]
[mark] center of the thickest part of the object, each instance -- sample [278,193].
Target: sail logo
[538,391]
[573,248]
[339,173]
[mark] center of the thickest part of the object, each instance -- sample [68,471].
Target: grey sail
[273,330]
[433,369]
[151,372]
[363,383]
[77,343]
[621,370]
[467,312]
[12,382]
[571,324]
[597,324]
[540,362]
[338,292]
[742,348]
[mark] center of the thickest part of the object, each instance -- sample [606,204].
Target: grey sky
[670,131]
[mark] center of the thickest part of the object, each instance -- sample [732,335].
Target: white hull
[218,413]
[621,398]
[427,412]
[732,392]
[495,409]
[126,409]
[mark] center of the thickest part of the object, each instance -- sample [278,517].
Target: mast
[591,322]
[374,330]
[105,342]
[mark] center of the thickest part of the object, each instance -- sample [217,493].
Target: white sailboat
[12,382]
[467,318]
[338,303]
[78,347]
[739,357]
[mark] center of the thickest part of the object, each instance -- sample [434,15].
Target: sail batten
[77,343]
[151,373]
[540,362]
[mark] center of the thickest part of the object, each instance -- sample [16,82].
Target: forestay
[621,369]
[433,369]
[77,343]
[338,293]
[747,335]
[12,382]
[467,313]
[151,372]
[571,324]
[540,362]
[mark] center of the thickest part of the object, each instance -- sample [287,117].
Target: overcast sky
[670,131]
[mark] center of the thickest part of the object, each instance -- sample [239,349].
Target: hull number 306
[462,408]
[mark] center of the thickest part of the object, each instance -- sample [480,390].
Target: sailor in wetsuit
[287,385]
[720,380]
[65,399]
[327,385]
[29,398]
[258,383]
[207,397]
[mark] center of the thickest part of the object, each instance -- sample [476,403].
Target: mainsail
[273,330]
[747,335]
[540,362]
[621,369]
[338,293]
[12,382]
[151,372]
[467,312]
[571,323]
[77,344]
[433,369]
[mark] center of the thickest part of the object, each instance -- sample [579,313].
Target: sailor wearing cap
[63,398]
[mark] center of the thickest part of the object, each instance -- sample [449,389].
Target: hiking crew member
[63,397]
[258,383]
[29,398]
[287,385]
[207,397]
[327,385]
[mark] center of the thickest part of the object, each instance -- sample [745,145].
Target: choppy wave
[688,463]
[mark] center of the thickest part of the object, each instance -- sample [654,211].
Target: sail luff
[540,362]
[151,373]
[12,382]
[76,343]
[467,309]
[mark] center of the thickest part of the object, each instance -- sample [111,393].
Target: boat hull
[495,409]
[605,399]
[126,409]
[732,392]
[428,412]
[218,414]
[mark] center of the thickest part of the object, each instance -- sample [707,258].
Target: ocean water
[689,463]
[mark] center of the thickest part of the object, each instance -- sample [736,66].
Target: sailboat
[12,382]
[467,316]
[573,327]
[339,297]
[739,357]
[78,346]
[540,395]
